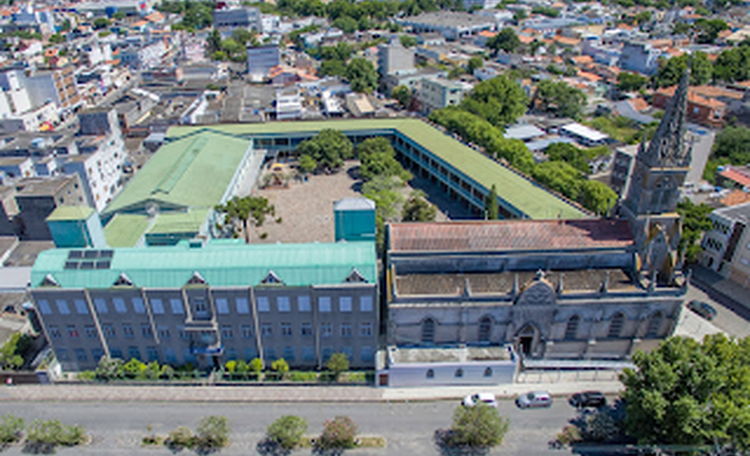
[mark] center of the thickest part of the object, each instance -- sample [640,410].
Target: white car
[474,399]
[534,399]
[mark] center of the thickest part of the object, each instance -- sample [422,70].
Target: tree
[281,367]
[329,148]
[733,64]
[337,364]
[505,40]
[338,434]
[346,24]
[287,431]
[559,98]
[11,428]
[408,41]
[695,223]
[499,100]
[490,204]
[214,41]
[307,164]
[630,82]
[256,366]
[402,94]
[332,68]
[181,437]
[14,350]
[240,211]
[688,393]
[362,75]
[100,23]
[670,71]
[379,159]
[479,426]
[733,143]
[212,432]
[708,29]
[474,63]
[597,197]
[57,38]
[109,369]
[418,209]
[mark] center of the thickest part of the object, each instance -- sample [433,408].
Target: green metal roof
[221,265]
[124,230]
[523,193]
[66,213]
[193,172]
[179,222]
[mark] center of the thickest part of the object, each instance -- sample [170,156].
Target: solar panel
[102,264]
[90,253]
[86,265]
[106,253]
[71,265]
[75,254]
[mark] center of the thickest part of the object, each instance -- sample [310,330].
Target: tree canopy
[379,159]
[733,64]
[630,82]
[362,75]
[499,100]
[329,149]
[418,209]
[670,71]
[505,40]
[695,222]
[558,98]
[240,211]
[690,393]
[479,426]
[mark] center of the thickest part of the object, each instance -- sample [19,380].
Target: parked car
[534,399]
[701,308]
[588,399]
[474,399]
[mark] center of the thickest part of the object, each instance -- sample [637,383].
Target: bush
[213,432]
[256,365]
[337,364]
[182,437]
[477,427]
[287,431]
[281,368]
[303,376]
[339,433]
[11,428]
[46,435]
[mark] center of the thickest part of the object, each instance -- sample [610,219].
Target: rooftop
[64,213]
[449,19]
[510,235]
[401,355]
[520,192]
[219,263]
[42,186]
[741,212]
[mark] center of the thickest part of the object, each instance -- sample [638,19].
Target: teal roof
[222,264]
[68,213]
[521,192]
[193,172]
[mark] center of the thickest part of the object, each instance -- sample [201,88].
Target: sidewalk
[557,383]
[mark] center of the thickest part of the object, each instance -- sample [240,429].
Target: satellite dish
[152,209]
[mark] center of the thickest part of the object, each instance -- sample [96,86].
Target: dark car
[701,308]
[588,399]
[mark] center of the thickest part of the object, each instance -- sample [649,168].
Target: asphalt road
[731,317]
[117,429]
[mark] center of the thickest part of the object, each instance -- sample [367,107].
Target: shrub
[287,431]
[11,428]
[256,365]
[337,364]
[477,427]
[280,367]
[303,376]
[231,366]
[48,434]
[339,433]
[570,434]
[212,432]
[182,437]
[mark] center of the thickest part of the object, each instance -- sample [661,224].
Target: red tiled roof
[639,104]
[735,176]
[510,235]
[735,198]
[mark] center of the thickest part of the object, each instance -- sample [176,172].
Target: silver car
[534,399]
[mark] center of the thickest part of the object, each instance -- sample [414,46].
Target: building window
[485,329]
[345,304]
[176,305]
[266,329]
[222,306]
[365,304]
[152,354]
[146,330]
[44,307]
[428,331]
[127,330]
[62,307]
[326,353]
[324,304]
[201,307]
[101,306]
[326,329]
[430,373]
[308,353]
[263,305]
[459,373]
[138,306]
[269,354]
[615,326]
[81,306]
[571,330]
[306,329]
[289,353]
[242,306]
[488,372]
[73,332]
[283,304]
[365,329]
[90,331]
[246,331]
[346,330]
[654,324]
[119,304]
[286,329]
[366,354]
[157,306]
[80,355]
[303,303]
[134,353]
[184,335]
[108,331]
[163,332]
[226,332]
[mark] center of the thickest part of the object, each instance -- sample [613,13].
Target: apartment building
[726,248]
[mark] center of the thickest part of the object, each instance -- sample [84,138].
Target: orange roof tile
[639,104]
[156,16]
[735,176]
[567,41]
[582,59]
[624,26]
[139,24]
[693,97]
[526,39]
[735,198]
[743,84]
[487,33]
[714,92]
[589,76]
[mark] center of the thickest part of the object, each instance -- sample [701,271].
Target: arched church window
[654,324]
[615,326]
[428,331]
[571,330]
[485,329]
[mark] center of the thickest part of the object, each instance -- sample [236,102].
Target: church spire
[667,148]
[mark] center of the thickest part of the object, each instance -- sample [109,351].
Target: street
[117,428]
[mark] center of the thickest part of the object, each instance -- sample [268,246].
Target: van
[534,399]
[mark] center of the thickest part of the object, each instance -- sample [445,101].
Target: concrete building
[245,17]
[640,57]
[57,85]
[260,60]
[208,303]
[470,5]
[395,58]
[438,93]
[37,197]
[451,25]
[726,247]
[143,57]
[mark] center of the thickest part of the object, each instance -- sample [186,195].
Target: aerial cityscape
[375,227]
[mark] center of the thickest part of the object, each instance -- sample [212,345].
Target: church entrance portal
[526,340]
